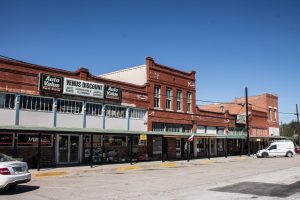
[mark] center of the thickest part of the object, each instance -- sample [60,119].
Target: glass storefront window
[114,140]
[6,139]
[31,140]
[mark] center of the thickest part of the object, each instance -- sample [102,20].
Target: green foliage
[289,130]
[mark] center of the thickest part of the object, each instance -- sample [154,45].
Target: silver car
[12,172]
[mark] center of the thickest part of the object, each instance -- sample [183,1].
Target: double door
[68,149]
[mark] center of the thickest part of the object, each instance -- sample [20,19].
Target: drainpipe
[17,105]
[54,112]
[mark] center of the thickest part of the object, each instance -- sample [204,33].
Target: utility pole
[297,113]
[247,121]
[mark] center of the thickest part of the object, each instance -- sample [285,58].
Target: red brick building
[146,112]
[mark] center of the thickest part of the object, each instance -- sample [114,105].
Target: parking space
[220,178]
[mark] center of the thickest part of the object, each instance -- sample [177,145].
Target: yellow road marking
[49,174]
[128,168]
[240,158]
[168,165]
[208,162]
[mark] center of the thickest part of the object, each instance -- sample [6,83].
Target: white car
[12,172]
[278,148]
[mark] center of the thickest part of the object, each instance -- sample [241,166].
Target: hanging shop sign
[50,83]
[6,140]
[143,137]
[112,92]
[31,140]
[83,88]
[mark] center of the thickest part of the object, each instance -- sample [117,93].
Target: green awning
[55,130]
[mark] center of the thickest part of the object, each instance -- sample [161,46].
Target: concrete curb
[69,171]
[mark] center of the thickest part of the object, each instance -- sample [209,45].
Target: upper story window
[156,97]
[179,100]
[115,111]
[169,99]
[189,102]
[67,106]
[93,109]
[36,103]
[270,114]
[137,113]
[275,115]
[160,127]
[7,101]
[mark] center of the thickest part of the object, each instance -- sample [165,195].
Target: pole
[297,113]
[39,153]
[188,148]
[131,149]
[247,121]
[92,150]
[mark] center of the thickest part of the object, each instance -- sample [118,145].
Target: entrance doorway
[68,149]
[178,148]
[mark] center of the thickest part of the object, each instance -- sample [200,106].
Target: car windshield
[5,158]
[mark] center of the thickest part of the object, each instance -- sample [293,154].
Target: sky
[231,44]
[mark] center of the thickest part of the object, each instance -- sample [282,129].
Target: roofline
[171,68]
[122,70]
[12,61]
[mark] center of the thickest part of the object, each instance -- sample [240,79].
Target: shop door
[178,148]
[68,149]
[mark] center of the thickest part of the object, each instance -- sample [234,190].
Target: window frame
[189,102]
[179,101]
[157,96]
[169,98]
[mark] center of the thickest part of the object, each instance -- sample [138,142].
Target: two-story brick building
[146,112]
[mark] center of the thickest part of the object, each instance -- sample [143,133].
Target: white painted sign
[83,88]
[273,131]
[241,119]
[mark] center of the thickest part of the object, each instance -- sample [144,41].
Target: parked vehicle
[278,148]
[297,149]
[12,172]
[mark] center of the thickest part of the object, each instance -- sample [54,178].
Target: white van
[278,148]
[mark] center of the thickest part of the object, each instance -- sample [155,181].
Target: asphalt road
[271,178]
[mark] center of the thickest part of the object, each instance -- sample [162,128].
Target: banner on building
[50,83]
[83,88]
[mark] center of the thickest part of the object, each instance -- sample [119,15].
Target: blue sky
[231,44]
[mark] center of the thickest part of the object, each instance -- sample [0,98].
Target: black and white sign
[50,83]
[83,88]
[112,92]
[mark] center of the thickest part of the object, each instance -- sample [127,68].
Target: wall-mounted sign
[83,88]
[241,119]
[32,140]
[112,92]
[50,83]
[6,139]
[274,131]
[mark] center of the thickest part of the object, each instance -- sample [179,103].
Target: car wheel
[264,155]
[289,154]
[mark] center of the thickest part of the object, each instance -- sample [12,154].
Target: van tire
[289,154]
[264,155]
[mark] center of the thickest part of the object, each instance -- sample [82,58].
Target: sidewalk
[77,170]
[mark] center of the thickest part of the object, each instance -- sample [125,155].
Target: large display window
[32,139]
[6,139]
